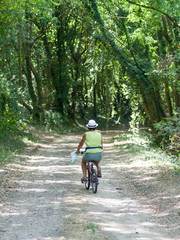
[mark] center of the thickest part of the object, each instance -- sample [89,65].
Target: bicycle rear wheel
[87,183]
[94,181]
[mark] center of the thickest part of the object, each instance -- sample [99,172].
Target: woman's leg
[98,169]
[97,164]
[83,165]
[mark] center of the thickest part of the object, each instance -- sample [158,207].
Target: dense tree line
[114,58]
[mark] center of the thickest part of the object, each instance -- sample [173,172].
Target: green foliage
[9,109]
[91,226]
[78,59]
[14,142]
[11,123]
[168,133]
[53,120]
[138,116]
[139,144]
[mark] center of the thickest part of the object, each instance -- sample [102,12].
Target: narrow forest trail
[43,198]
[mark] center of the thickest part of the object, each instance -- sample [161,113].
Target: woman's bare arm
[81,143]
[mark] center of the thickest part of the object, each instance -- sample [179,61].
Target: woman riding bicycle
[93,151]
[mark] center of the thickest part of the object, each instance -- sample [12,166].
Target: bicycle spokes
[92,178]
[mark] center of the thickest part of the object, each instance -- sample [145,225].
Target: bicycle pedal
[83,180]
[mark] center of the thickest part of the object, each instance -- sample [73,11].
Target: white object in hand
[74,155]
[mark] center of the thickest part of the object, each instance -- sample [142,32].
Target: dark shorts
[93,157]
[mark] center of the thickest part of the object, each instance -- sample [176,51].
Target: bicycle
[92,179]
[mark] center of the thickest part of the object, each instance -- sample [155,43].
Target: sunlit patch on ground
[48,200]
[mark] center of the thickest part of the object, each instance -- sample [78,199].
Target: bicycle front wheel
[87,183]
[94,181]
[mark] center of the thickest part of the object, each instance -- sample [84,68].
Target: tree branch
[155,9]
[165,31]
[28,107]
[38,37]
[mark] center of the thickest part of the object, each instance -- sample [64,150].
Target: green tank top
[93,139]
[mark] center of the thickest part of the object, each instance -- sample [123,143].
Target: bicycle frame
[90,166]
[92,177]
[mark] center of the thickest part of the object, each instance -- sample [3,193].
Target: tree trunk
[19,54]
[86,93]
[94,100]
[168,99]
[27,51]
[53,73]
[39,91]
[176,60]
[62,81]
[36,115]
[177,99]
[38,83]
[73,106]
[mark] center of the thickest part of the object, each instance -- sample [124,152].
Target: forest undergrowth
[139,144]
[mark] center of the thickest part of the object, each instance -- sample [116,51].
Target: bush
[9,108]
[53,120]
[168,133]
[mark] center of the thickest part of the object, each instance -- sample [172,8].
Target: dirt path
[43,198]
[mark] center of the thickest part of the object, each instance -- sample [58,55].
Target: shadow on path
[48,201]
